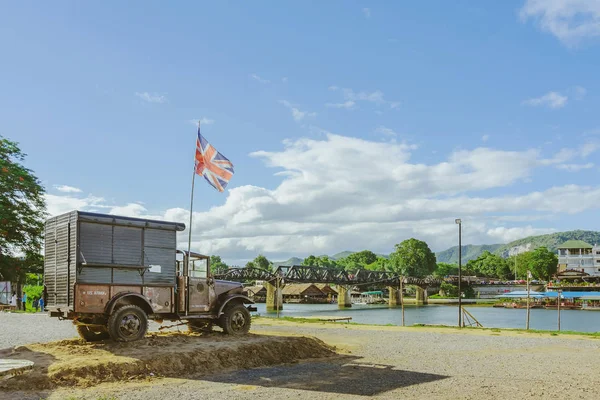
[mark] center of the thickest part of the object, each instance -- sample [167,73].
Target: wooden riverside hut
[303,293]
[256,293]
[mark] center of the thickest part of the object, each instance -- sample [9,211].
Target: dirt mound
[78,363]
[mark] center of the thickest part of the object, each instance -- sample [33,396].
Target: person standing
[35,304]
[41,303]
[24,301]
[13,301]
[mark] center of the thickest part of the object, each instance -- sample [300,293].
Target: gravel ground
[385,362]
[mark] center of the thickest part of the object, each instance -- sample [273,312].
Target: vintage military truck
[111,274]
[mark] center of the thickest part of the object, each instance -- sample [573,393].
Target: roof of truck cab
[179,226]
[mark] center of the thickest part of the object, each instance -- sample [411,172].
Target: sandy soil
[388,363]
[74,362]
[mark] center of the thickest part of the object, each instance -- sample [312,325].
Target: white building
[577,255]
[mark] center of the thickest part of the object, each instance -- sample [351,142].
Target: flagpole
[186,266]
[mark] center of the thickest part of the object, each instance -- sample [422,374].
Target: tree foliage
[359,260]
[444,269]
[321,261]
[413,258]
[541,262]
[217,266]
[488,265]
[262,262]
[22,213]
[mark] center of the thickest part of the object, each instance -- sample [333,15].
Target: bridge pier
[421,298]
[344,298]
[394,296]
[274,297]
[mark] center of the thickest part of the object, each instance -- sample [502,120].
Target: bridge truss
[311,274]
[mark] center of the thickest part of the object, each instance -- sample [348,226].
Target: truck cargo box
[90,248]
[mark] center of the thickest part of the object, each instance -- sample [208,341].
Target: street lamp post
[459,222]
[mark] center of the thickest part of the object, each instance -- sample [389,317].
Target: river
[489,317]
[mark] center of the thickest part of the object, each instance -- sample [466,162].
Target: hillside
[551,241]
[291,261]
[469,252]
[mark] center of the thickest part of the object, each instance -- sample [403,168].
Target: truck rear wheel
[128,323]
[236,320]
[92,333]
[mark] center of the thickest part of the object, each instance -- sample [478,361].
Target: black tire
[236,320]
[200,326]
[127,324]
[92,333]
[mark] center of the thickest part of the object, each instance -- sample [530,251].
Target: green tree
[542,263]
[261,262]
[321,261]
[412,258]
[357,260]
[217,266]
[22,214]
[520,264]
[380,264]
[444,269]
[488,265]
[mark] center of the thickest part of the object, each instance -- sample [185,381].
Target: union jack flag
[212,165]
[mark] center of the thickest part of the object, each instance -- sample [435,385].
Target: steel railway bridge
[343,279]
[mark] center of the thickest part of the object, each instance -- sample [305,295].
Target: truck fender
[244,299]
[132,298]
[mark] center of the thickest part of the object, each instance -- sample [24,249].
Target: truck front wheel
[128,323]
[92,333]
[235,320]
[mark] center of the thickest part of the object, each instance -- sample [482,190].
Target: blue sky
[351,124]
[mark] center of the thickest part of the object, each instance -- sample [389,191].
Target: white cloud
[551,99]
[579,92]
[259,79]
[60,204]
[342,193]
[67,189]
[505,235]
[203,121]
[376,97]
[151,97]
[567,154]
[386,131]
[296,113]
[575,167]
[367,12]
[347,105]
[485,138]
[569,20]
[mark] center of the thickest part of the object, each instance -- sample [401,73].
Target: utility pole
[559,291]
[402,297]
[459,222]
[528,279]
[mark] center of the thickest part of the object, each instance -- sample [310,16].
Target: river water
[489,317]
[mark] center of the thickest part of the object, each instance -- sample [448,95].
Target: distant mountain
[551,241]
[291,261]
[469,252]
[342,255]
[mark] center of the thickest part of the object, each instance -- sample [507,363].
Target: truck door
[200,286]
